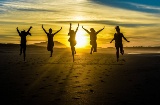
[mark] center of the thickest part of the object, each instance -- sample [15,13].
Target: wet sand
[95,79]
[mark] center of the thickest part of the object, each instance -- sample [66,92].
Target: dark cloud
[1,4]
[125,4]
[36,10]
[105,22]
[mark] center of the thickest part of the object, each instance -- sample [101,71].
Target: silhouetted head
[92,30]
[72,32]
[50,30]
[23,31]
[117,28]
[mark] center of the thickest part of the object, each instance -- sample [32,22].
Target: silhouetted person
[118,42]
[50,39]
[72,39]
[23,35]
[93,38]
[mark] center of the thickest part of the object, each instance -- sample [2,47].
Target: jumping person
[72,39]
[50,39]
[118,42]
[23,35]
[93,38]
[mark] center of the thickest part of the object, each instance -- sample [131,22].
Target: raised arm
[70,28]
[57,31]
[125,39]
[77,28]
[99,30]
[44,29]
[29,29]
[112,40]
[18,31]
[86,30]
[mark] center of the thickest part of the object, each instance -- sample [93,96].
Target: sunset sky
[139,20]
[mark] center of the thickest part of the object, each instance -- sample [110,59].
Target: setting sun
[81,39]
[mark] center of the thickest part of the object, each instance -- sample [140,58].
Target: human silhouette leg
[91,50]
[117,53]
[95,47]
[24,53]
[73,51]
[20,50]
[51,52]
[121,50]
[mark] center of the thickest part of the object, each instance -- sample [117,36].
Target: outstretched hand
[42,25]
[78,24]
[30,34]
[17,28]
[30,26]
[103,27]
[82,26]
[61,27]
[128,41]
[70,24]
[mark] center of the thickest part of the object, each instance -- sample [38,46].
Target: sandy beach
[95,79]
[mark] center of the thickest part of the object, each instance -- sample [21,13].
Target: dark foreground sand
[95,79]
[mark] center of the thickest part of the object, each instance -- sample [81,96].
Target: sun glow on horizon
[78,18]
[81,39]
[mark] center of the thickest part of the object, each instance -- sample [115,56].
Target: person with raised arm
[72,39]
[93,38]
[118,42]
[50,36]
[23,41]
